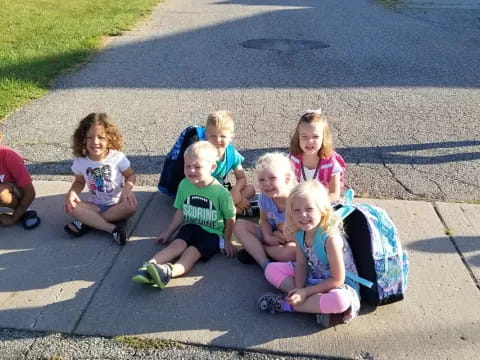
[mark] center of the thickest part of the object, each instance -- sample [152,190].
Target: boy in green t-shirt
[208,211]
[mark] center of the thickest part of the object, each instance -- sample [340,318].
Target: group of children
[296,193]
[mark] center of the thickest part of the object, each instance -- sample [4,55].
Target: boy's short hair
[203,150]
[222,119]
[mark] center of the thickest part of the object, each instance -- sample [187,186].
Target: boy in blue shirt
[219,131]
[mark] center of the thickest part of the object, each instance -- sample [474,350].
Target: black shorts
[206,243]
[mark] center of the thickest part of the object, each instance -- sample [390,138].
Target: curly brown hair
[115,141]
[313,118]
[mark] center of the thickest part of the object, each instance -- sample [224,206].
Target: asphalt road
[400,86]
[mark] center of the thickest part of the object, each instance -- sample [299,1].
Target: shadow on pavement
[411,154]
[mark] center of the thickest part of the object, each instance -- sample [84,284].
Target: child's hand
[228,249]
[128,196]
[296,296]
[243,204]
[163,237]
[281,239]
[71,201]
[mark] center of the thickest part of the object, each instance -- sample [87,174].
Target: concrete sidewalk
[51,282]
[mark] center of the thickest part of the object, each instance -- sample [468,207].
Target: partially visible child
[209,214]
[220,131]
[320,280]
[100,164]
[313,156]
[276,179]
[16,190]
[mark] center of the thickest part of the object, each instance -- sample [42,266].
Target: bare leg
[89,214]
[282,253]
[246,233]
[171,252]
[188,258]
[120,211]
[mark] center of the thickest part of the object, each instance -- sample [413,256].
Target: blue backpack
[381,263]
[172,173]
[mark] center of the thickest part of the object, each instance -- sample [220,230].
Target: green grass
[39,39]
[448,231]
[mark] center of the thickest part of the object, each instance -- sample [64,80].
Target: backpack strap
[201,133]
[229,157]
[319,242]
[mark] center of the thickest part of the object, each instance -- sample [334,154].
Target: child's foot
[120,234]
[30,219]
[329,320]
[252,211]
[143,277]
[77,228]
[161,274]
[271,303]
[244,257]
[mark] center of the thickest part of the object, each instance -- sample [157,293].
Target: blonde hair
[313,117]
[279,161]
[312,189]
[221,119]
[202,150]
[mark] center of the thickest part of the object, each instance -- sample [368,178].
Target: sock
[287,307]
[265,264]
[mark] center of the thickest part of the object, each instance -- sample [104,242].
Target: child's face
[197,170]
[305,213]
[273,182]
[311,137]
[220,138]
[96,142]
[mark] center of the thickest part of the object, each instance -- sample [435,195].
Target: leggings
[333,302]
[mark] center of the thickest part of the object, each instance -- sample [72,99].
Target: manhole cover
[284,44]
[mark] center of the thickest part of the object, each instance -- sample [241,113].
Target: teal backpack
[381,263]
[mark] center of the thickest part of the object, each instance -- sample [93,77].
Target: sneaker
[329,320]
[244,257]
[271,303]
[161,274]
[252,211]
[120,235]
[142,276]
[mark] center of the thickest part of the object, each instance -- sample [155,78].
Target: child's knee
[6,195]
[334,302]
[240,227]
[274,274]
[130,208]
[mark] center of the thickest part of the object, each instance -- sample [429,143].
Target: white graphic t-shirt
[104,178]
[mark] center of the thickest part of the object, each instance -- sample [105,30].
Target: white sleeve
[124,163]
[337,169]
[76,167]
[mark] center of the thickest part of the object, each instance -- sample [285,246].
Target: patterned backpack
[377,251]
